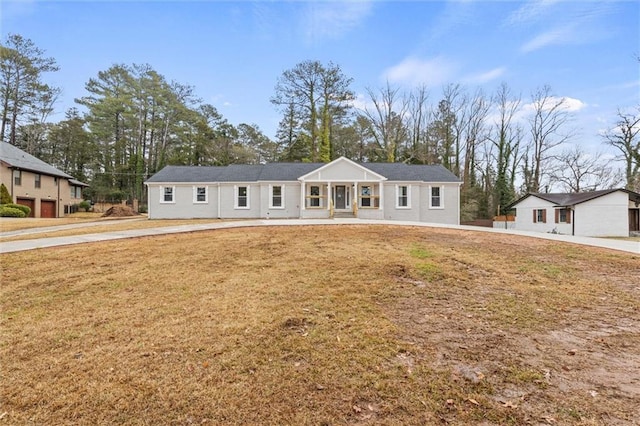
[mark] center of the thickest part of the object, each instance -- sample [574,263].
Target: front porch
[342,188]
[342,199]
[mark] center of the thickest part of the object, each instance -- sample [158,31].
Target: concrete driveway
[14,246]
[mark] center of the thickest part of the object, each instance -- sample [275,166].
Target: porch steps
[343,215]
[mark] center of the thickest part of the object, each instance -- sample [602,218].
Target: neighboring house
[49,192]
[606,213]
[341,188]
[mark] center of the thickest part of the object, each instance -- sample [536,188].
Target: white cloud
[332,19]
[530,12]
[573,104]
[485,77]
[567,104]
[558,35]
[414,71]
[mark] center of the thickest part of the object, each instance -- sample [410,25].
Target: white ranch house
[606,213]
[341,188]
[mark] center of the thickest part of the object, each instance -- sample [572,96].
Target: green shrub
[11,212]
[25,209]
[5,197]
[85,205]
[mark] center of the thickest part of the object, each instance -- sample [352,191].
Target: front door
[634,220]
[340,197]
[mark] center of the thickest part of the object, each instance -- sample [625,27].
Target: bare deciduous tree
[548,130]
[387,119]
[575,170]
[625,137]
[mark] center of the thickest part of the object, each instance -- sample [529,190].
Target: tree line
[134,122]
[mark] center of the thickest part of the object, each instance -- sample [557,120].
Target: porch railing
[369,202]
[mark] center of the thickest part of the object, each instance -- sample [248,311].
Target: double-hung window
[539,216]
[167,194]
[242,197]
[365,200]
[277,194]
[200,194]
[38,178]
[435,197]
[17,177]
[314,199]
[563,216]
[403,197]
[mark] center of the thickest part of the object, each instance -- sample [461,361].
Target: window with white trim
[314,196]
[242,197]
[435,197]
[200,194]
[167,194]
[403,198]
[276,196]
[365,194]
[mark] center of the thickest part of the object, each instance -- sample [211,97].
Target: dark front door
[340,197]
[634,220]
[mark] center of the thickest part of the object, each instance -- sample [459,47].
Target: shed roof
[18,159]
[292,171]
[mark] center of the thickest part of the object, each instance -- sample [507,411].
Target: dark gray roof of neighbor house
[18,159]
[77,182]
[570,199]
[279,172]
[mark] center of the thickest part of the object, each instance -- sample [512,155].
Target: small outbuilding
[605,213]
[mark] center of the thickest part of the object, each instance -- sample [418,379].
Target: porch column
[328,195]
[381,196]
[303,193]
[355,195]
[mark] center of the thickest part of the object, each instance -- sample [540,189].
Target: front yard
[321,325]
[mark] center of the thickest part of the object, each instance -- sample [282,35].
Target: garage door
[29,203]
[47,208]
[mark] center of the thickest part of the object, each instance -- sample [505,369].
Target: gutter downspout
[573,222]
[218,200]
[12,179]
[57,201]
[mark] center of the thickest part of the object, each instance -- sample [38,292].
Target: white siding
[290,200]
[183,206]
[524,217]
[449,199]
[606,216]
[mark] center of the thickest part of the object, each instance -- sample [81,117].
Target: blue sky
[234,52]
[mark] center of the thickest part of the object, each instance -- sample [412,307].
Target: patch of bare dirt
[571,360]
[120,211]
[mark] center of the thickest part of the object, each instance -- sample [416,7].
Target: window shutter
[557,215]
[569,211]
[544,216]
[535,215]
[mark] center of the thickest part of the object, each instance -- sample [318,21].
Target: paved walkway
[14,246]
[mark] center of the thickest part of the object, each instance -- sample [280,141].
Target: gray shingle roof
[570,199]
[17,158]
[283,172]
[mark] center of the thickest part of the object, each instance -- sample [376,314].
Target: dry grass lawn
[97,226]
[376,325]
